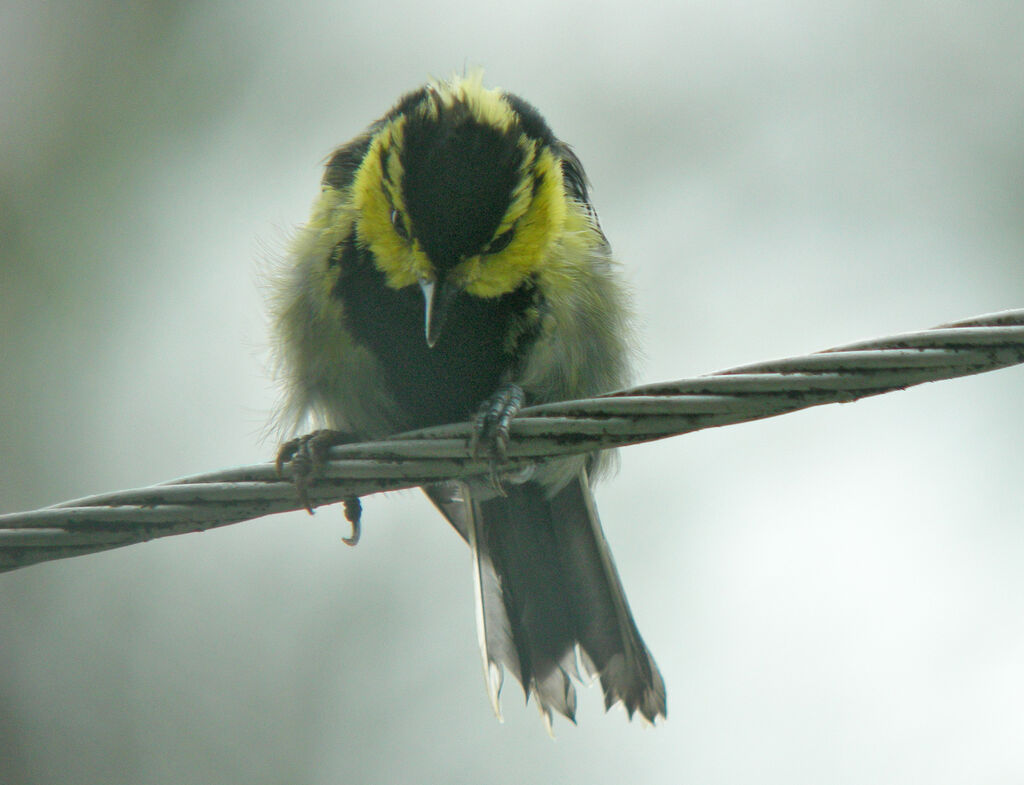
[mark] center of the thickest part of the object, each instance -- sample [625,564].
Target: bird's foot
[491,427]
[304,455]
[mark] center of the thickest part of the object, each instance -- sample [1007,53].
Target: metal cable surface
[653,411]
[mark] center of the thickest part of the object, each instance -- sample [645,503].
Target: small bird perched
[454,266]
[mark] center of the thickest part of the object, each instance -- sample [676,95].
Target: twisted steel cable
[538,433]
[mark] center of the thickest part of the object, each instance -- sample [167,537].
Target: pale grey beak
[437,299]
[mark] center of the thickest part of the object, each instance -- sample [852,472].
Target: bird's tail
[547,588]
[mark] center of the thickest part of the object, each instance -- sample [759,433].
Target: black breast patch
[446,383]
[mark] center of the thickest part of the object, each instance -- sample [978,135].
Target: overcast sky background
[833,596]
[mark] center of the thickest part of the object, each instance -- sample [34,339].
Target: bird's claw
[354,515]
[491,427]
[303,456]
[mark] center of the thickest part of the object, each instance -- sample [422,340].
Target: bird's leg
[304,455]
[491,426]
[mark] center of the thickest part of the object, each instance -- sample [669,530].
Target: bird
[454,269]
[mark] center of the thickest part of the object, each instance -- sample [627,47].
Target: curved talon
[304,455]
[513,404]
[354,515]
[491,427]
[285,453]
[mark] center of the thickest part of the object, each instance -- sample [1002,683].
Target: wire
[539,433]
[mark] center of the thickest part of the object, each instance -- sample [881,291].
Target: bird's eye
[399,224]
[500,243]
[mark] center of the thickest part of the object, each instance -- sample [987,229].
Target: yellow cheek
[403,267]
[487,276]
[536,230]
[402,262]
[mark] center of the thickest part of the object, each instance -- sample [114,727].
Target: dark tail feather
[610,644]
[545,585]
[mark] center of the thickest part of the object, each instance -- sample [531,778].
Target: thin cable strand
[539,433]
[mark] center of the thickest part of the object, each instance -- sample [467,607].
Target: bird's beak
[438,297]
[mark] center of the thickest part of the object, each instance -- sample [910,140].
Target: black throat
[483,340]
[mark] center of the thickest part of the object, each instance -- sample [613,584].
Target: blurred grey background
[833,596]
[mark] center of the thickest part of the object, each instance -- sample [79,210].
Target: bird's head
[460,193]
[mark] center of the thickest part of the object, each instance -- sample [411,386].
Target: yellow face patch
[377,198]
[536,216]
[536,213]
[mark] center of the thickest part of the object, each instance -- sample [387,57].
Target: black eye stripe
[399,223]
[385,170]
[397,220]
[538,181]
[501,242]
